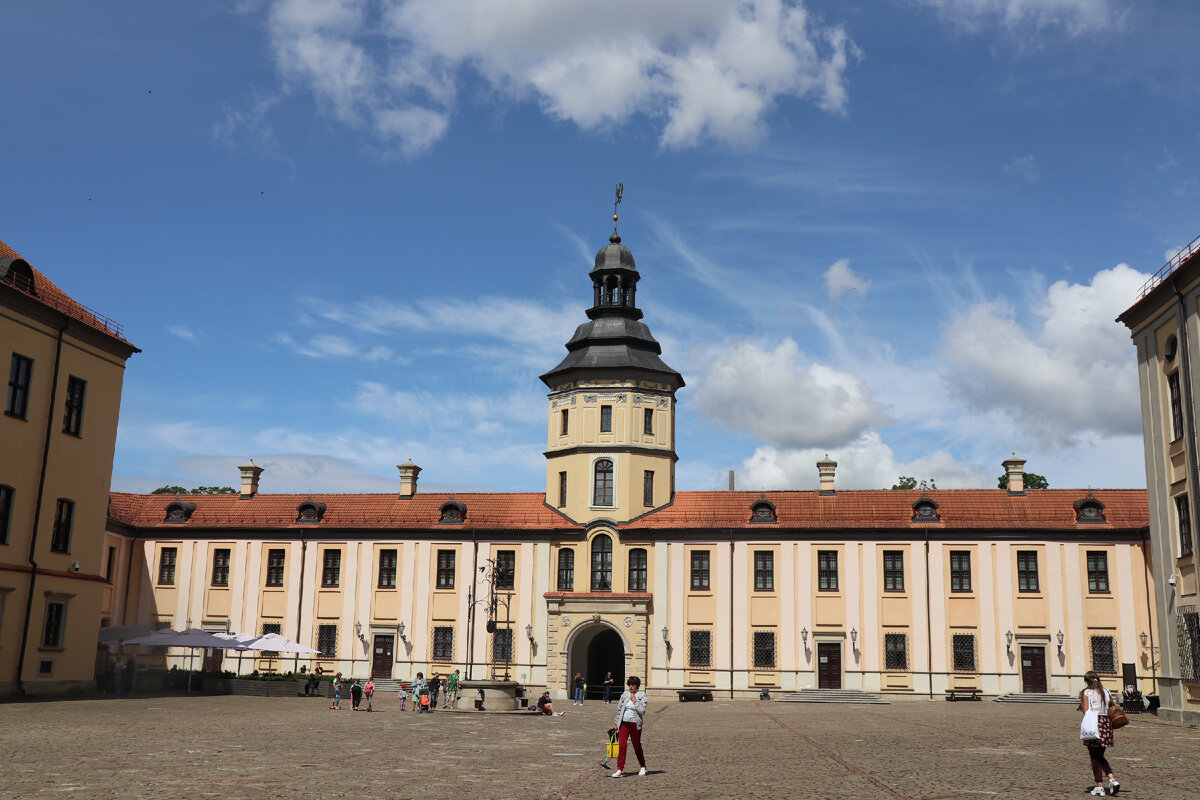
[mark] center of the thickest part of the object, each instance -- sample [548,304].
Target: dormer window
[926,510]
[453,513]
[18,274]
[309,513]
[178,513]
[1089,509]
[762,511]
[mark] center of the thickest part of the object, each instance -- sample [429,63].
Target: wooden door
[381,664]
[829,665]
[212,659]
[1033,670]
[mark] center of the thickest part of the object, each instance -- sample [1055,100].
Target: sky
[349,233]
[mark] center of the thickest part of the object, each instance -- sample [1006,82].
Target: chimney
[731,480]
[250,473]
[408,479]
[826,468]
[1015,467]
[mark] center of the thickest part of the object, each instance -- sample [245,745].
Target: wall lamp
[358,632]
[804,636]
[1008,637]
[529,633]
[1060,640]
[400,632]
[666,634]
[854,638]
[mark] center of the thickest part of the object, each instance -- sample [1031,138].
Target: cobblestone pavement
[246,747]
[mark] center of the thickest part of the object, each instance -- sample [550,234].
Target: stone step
[1024,697]
[831,696]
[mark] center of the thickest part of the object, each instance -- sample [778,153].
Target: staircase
[831,696]
[1021,697]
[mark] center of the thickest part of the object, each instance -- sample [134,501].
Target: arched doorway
[596,651]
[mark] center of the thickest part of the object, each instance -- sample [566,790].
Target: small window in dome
[179,513]
[926,510]
[1089,510]
[310,513]
[1172,347]
[762,511]
[453,513]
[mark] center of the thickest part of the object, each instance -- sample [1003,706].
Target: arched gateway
[595,650]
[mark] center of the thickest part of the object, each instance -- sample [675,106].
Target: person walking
[369,691]
[402,696]
[451,690]
[356,693]
[579,684]
[1096,731]
[418,688]
[631,710]
[608,687]
[337,693]
[435,686]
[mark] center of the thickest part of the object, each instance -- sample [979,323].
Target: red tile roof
[973,509]
[49,294]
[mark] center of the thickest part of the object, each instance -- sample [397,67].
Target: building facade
[66,366]
[1165,324]
[611,570]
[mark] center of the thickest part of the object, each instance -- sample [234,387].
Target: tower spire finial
[616,237]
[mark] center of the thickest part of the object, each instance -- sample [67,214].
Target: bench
[953,695]
[703,695]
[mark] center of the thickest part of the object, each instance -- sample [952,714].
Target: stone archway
[593,651]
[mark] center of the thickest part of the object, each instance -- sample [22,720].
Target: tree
[197,490]
[1032,481]
[907,482]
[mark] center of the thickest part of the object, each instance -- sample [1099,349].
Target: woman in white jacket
[631,709]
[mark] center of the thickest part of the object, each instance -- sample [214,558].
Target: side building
[66,366]
[1165,325]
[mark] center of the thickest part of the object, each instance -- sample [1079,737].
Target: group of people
[120,674]
[426,691]
[358,692]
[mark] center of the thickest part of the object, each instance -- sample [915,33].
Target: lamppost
[491,573]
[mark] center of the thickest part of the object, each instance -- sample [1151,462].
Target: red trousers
[627,731]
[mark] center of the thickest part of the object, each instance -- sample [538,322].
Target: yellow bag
[613,750]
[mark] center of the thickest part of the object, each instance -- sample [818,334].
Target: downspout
[37,512]
[128,582]
[471,605]
[928,620]
[731,639]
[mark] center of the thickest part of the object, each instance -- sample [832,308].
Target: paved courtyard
[241,747]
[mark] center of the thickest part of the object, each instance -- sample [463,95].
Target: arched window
[602,486]
[637,569]
[602,564]
[566,570]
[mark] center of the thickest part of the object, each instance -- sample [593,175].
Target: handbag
[1090,727]
[1117,717]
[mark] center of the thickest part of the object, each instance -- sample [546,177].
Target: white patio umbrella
[190,638]
[274,642]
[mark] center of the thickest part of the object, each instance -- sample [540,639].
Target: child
[369,690]
[402,696]
[356,693]
[337,693]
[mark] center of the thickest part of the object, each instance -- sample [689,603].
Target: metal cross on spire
[620,194]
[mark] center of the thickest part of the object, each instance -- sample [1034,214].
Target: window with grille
[1176,406]
[648,487]
[1097,567]
[220,568]
[166,566]
[443,643]
[700,581]
[331,574]
[960,570]
[64,515]
[1188,628]
[506,569]
[55,624]
[445,569]
[275,628]
[562,489]
[893,570]
[764,649]
[1185,525]
[566,570]
[963,646]
[387,569]
[895,650]
[275,562]
[827,570]
[637,570]
[602,563]
[605,419]
[6,510]
[327,640]
[502,645]
[20,372]
[1027,571]
[73,418]
[764,571]
[648,421]
[699,648]
[1104,655]
[602,485]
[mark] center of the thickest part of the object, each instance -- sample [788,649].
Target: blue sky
[346,234]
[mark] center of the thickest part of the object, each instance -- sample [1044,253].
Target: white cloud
[781,398]
[481,415]
[1025,169]
[1074,16]
[329,346]
[183,332]
[839,278]
[703,68]
[1075,377]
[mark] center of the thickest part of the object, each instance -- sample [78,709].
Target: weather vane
[620,194]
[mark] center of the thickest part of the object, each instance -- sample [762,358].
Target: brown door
[1033,670]
[212,659]
[381,664]
[829,665]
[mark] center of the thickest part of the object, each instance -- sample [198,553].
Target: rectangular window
[1176,406]
[387,569]
[700,570]
[1104,655]
[764,650]
[1097,565]
[699,648]
[275,628]
[764,571]
[502,644]
[565,418]
[605,419]
[443,643]
[56,618]
[895,650]
[506,569]
[110,566]
[327,640]
[893,570]
[73,418]
[331,574]
[562,489]
[1027,571]
[20,373]
[648,488]
[648,421]
[64,514]
[566,570]
[275,563]
[220,569]
[1185,525]
[827,570]
[963,645]
[960,570]
[6,512]
[637,570]
[445,569]
[166,566]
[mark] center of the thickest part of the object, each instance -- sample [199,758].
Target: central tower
[611,433]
